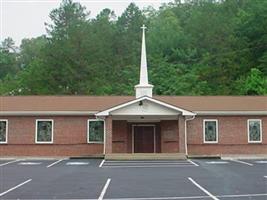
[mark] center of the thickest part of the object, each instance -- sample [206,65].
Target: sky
[25,18]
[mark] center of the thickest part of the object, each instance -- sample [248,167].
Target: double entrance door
[143,139]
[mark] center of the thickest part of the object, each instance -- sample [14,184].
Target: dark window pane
[254,131]
[2,131]
[210,131]
[44,131]
[96,131]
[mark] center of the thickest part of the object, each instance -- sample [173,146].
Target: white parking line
[103,192]
[147,161]
[54,163]
[29,163]
[239,161]
[242,195]
[102,163]
[217,162]
[77,163]
[203,189]
[133,164]
[161,198]
[138,166]
[261,161]
[189,197]
[17,186]
[193,162]
[9,162]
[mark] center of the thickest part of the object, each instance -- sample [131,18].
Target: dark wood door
[144,139]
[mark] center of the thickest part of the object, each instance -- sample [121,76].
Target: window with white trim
[3,131]
[44,131]
[210,130]
[96,130]
[254,131]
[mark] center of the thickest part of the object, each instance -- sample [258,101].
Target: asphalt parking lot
[133,180]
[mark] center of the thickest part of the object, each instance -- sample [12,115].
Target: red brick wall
[108,140]
[232,137]
[169,136]
[70,138]
[181,124]
[119,136]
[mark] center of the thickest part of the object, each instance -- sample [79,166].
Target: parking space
[146,187]
[133,180]
[7,162]
[4,161]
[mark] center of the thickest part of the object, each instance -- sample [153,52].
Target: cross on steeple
[143,27]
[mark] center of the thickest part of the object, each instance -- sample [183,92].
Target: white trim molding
[76,113]
[180,110]
[217,131]
[46,113]
[52,131]
[5,142]
[252,141]
[88,131]
[231,112]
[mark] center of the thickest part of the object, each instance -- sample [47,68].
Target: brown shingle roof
[99,103]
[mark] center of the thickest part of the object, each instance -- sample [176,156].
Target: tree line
[194,47]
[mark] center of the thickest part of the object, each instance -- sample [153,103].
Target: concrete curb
[51,158]
[244,157]
[204,156]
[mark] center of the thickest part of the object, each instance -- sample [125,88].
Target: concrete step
[145,156]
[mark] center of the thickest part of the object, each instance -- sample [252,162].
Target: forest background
[194,47]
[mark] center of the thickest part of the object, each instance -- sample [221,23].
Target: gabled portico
[145,125]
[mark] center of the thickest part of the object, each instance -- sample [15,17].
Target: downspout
[185,130]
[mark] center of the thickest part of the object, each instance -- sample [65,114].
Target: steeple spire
[143,68]
[143,88]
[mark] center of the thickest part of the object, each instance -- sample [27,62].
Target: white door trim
[154,135]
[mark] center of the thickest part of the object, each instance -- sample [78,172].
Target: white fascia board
[106,112]
[231,112]
[144,114]
[43,113]
[184,112]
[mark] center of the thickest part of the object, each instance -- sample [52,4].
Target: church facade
[144,124]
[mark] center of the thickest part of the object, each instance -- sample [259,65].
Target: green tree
[31,49]
[195,47]
[8,62]
[128,37]
[254,84]
[66,55]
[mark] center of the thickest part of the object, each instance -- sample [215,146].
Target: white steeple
[143,88]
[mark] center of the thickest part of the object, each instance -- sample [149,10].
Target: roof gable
[145,106]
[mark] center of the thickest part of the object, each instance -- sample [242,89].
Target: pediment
[145,106]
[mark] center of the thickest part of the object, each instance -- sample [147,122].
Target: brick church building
[127,125]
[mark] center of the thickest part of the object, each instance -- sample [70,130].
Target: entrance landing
[145,156]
